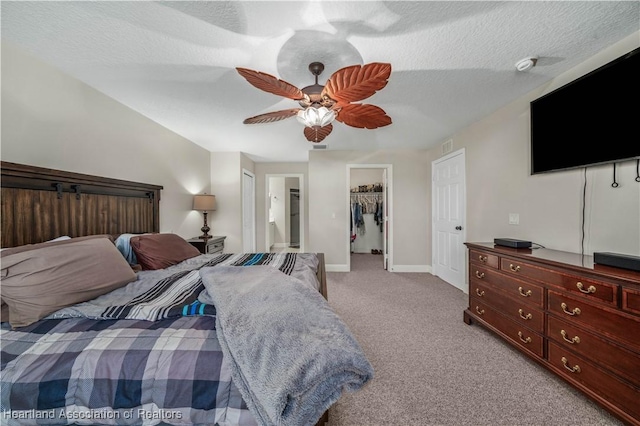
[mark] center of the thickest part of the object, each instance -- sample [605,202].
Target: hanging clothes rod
[366,193]
[367,197]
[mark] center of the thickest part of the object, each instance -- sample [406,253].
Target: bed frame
[39,204]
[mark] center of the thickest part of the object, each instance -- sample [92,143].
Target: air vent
[447,147]
[319,147]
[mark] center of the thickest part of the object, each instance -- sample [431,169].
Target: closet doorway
[285,213]
[369,211]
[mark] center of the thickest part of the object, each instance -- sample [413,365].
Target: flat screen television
[592,120]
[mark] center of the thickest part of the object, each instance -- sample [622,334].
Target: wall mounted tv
[592,120]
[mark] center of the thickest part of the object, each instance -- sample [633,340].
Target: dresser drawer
[616,325]
[484,258]
[215,247]
[613,357]
[592,289]
[631,300]
[518,289]
[610,388]
[522,336]
[521,313]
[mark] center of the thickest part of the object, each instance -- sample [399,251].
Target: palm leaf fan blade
[363,116]
[270,117]
[271,84]
[317,134]
[355,83]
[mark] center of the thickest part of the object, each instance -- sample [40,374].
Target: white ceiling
[452,61]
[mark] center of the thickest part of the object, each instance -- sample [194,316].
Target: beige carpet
[433,369]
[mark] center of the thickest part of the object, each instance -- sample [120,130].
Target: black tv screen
[592,120]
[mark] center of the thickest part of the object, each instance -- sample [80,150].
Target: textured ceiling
[174,62]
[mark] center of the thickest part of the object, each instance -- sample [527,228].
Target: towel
[291,356]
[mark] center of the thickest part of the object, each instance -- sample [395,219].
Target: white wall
[50,119]
[226,185]
[278,209]
[549,205]
[289,184]
[365,177]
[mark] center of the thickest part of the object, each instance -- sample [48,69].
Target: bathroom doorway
[285,213]
[294,218]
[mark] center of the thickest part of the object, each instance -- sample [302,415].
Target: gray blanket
[291,355]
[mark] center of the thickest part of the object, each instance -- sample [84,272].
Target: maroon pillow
[159,251]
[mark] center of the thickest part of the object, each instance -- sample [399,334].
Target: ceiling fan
[320,105]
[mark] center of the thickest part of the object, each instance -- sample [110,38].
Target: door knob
[459,228]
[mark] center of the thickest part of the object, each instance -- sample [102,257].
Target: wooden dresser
[578,319]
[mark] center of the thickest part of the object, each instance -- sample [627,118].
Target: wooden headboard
[40,204]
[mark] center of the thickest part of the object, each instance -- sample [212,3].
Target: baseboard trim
[396,268]
[412,268]
[336,268]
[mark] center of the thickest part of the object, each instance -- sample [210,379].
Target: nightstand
[213,245]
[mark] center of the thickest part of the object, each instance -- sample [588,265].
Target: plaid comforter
[118,372]
[110,370]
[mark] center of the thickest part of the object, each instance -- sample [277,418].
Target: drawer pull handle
[479,274]
[482,258]
[523,339]
[590,289]
[573,340]
[479,292]
[479,311]
[523,293]
[575,311]
[523,316]
[514,268]
[574,369]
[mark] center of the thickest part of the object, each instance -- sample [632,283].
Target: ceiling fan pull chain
[637,170]
[614,184]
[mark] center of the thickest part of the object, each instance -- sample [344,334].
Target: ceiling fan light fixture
[316,117]
[320,105]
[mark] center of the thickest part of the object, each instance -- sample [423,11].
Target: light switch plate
[514,218]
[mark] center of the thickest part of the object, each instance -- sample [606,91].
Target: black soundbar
[511,242]
[624,261]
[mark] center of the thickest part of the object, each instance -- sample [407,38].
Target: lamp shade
[204,202]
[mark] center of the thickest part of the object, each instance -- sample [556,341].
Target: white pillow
[64,237]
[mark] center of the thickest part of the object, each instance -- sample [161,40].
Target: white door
[448,192]
[248,212]
[385,220]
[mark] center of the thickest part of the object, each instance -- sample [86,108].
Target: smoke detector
[527,63]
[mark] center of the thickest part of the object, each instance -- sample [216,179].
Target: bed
[224,339]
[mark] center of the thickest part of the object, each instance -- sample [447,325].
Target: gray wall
[50,119]
[410,240]
[226,185]
[549,205]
